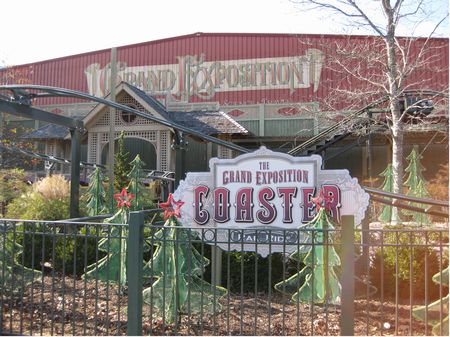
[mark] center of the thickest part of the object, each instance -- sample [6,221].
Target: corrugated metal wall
[242,57]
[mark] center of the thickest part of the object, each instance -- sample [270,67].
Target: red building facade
[278,86]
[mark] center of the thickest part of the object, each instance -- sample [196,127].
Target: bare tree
[382,64]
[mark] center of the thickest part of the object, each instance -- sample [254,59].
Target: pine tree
[96,195]
[121,165]
[179,267]
[434,309]
[136,187]
[113,266]
[13,275]
[416,187]
[316,282]
[388,186]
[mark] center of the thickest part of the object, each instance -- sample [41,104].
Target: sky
[36,30]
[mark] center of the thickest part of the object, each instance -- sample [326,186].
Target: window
[128,117]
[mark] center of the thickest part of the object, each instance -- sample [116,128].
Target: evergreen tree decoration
[416,187]
[317,281]
[433,311]
[96,195]
[136,187]
[388,186]
[415,170]
[178,268]
[13,275]
[113,266]
[121,165]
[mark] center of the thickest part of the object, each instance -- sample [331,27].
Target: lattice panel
[93,141]
[164,158]
[128,101]
[147,135]
[151,136]
[51,149]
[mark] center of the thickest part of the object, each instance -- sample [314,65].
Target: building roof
[207,122]
[50,131]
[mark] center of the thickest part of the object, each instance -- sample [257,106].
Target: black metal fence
[66,278]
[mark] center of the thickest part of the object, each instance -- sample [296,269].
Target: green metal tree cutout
[113,266]
[179,287]
[96,194]
[416,187]
[136,187]
[316,282]
[436,313]
[388,186]
[13,275]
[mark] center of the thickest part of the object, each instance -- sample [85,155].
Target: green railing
[45,291]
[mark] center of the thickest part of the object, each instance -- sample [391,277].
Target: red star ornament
[124,198]
[322,201]
[171,207]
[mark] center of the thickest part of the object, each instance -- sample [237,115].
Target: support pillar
[75,173]
[180,147]
[348,276]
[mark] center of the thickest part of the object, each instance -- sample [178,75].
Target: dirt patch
[68,306]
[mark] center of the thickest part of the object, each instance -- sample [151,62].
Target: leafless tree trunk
[377,71]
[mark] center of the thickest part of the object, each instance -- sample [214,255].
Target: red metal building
[278,86]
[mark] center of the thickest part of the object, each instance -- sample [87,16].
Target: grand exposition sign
[193,76]
[268,192]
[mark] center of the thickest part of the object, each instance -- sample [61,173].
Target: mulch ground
[68,306]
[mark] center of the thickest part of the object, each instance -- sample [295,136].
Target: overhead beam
[27,111]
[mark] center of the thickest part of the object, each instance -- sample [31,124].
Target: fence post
[134,273]
[348,276]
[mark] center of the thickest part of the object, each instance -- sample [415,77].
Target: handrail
[319,137]
[398,204]
[303,146]
[391,195]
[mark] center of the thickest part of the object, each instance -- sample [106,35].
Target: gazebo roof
[208,122]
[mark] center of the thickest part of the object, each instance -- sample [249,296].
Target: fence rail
[109,279]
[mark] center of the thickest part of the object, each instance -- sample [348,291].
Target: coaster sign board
[264,197]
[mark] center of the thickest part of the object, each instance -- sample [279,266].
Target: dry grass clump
[53,187]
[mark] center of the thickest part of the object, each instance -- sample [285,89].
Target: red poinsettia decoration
[171,207]
[124,198]
[322,201]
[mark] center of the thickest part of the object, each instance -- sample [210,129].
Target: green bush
[12,185]
[48,246]
[34,206]
[255,268]
[74,253]
[403,258]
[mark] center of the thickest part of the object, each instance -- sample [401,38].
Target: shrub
[74,253]
[54,187]
[48,200]
[246,260]
[403,257]
[46,244]
[34,206]
[12,185]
